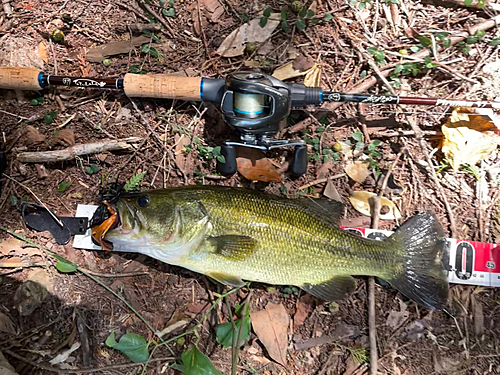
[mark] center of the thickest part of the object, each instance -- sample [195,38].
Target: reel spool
[257,105]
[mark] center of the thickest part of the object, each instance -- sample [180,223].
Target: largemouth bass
[233,234]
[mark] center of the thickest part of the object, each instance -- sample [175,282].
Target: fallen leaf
[5,367]
[13,246]
[261,360]
[214,8]
[42,51]
[178,320]
[313,77]
[396,318]
[64,137]
[360,201]
[303,309]
[254,166]
[13,262]
[6,324]
[332,192]
[32,136]
[296,68]
[115,48]
[65,355]
[271,327]
[358,170]
[180,142]
[234,44]
[28,297]
[324,169]
[445,365]
[470,135]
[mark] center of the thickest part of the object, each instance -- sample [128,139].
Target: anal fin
[226,279]
[334,289]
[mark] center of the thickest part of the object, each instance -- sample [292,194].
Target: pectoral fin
[333,289]
[226,279]
[233,247]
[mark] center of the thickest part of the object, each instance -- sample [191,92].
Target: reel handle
[15,78]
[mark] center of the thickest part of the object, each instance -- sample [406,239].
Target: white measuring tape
[468,262]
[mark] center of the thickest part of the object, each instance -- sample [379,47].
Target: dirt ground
[410,340]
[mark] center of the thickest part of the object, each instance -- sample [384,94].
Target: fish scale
[233,234]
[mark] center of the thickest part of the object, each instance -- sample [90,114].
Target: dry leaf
[180,142]
[358,171]
[214,8]
[470,137]
[303,309]
[5,367]
[6,324]
[296,68]
[331,191]
[60,358]
[324,169]
[396,318]
[254,166]
[13,262]
[271,327]
[42,51]
[360,201]
[115,48]
[13,246]
[445,365]
[65,137]
[32,136]
[234,44]
[313,77]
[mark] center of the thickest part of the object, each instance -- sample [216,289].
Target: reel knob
[298,165]
[230,166]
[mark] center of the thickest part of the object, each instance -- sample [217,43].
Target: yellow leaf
[313,77]
[469,136]
[360,201]
[42,52]
[287,71]
[358,171]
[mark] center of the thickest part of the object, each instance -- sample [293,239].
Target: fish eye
[143,201]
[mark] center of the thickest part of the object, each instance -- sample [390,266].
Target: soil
[77,309]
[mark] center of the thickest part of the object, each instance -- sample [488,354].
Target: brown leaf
[360,200]
[324,169]
[115,48]
[271,327]
[42,51]
[303,309]
[254,166]
[313,77]
[180,142]
[65,137]
[331,191]
[6,324]
[214,8]
[302,63]
[32,136]
[13,262]
[13,246]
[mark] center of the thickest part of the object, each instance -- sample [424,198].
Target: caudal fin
[421,277]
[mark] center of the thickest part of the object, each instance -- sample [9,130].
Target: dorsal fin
[324,208]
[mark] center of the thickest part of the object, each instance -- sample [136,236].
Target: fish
[234,234]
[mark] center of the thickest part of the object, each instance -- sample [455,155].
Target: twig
[159,18]
[82,371]
[233,343]
[125,274]
[78,150]
[68,120]
[321,180]
[236,348]
[422,143]
[204,38]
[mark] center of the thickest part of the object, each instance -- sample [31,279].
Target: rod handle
[15,78]
[162,86]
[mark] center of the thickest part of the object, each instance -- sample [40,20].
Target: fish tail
[421,276]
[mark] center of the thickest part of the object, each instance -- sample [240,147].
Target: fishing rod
[255,104]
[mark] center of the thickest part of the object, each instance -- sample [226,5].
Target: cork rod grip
[162,86]
[16,78]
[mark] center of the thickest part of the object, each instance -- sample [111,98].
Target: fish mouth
[100,231]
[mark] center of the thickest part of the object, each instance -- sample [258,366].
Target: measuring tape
[467,262]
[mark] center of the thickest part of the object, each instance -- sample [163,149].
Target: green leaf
[301,24]
[467,2]
[216,150]
[416,48]
[447,42]
[92,169]
[442,35]
[34,102]
[162,2]
[426,42]
[170,12]
[66,266]
[263,21]
[245,17]
[196,363]
[377,54]
[314,20]
[303,12]
[171,3]
[471,39]
[480,4]
[376,154]
[40,99]
[326,158]
[225,332]
[132,345]
[267,12]
[309,13]
[134,182]
[145,48]
[134,69]
[284,14]
[480,33]
[48,119]
[327,17]
[358,136]
[285,26]
[360,146]
[494,42]
[13,200]
[61,188]
[221,159]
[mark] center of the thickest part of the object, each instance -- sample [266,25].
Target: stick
[78,150]
[321,180]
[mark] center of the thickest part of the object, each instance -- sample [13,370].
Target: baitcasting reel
[257,105]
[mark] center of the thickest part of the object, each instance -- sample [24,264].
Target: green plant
[377,54]
[196,363]
[208,152]
[37,101]
[226,331]
[50,117]
[92,169]
[304,17]
[361,3]
[146,48]
[136,70]
[371,150]
[134,182]
[61,188]
[132,345]
[168,11]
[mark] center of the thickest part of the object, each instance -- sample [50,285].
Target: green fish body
[233,234]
